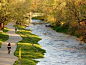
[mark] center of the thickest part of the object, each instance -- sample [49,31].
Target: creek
[61,49]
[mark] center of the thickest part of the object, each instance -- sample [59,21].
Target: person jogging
[15,29]
[9,48]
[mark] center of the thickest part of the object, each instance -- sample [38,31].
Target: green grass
[60,29]
[28,52]
[72,31]
[3,36]
[5,29]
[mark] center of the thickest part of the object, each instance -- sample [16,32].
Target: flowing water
[61,49]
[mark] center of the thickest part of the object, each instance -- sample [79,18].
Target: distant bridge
[31,14]
[35,14]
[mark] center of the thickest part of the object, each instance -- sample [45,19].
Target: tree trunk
[1,25]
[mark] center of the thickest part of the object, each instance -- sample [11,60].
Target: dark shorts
[9,48]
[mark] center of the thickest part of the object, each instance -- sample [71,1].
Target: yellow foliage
[62,23]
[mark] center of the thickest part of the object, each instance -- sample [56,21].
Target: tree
[3,13]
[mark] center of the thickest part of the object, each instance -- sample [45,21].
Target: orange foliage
[83,23]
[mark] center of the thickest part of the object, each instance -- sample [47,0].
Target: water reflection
[34,20]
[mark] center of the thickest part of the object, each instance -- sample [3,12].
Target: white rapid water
[61,49]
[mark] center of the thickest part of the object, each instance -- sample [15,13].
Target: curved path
[5,58]
[61,49]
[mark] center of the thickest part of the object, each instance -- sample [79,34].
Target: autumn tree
[3,13]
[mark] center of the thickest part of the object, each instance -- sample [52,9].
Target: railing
[30,15]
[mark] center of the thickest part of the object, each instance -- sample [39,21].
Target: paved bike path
[5,58]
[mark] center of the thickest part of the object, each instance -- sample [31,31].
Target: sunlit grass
[28,52]
[30,44]
[6,29]
[3,36]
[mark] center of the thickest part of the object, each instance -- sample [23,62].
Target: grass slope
[3,36]
[71,31]
[28,52]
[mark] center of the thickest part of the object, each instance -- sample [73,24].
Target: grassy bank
[3,36]
[60,29]
[28,51]
[72,31]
